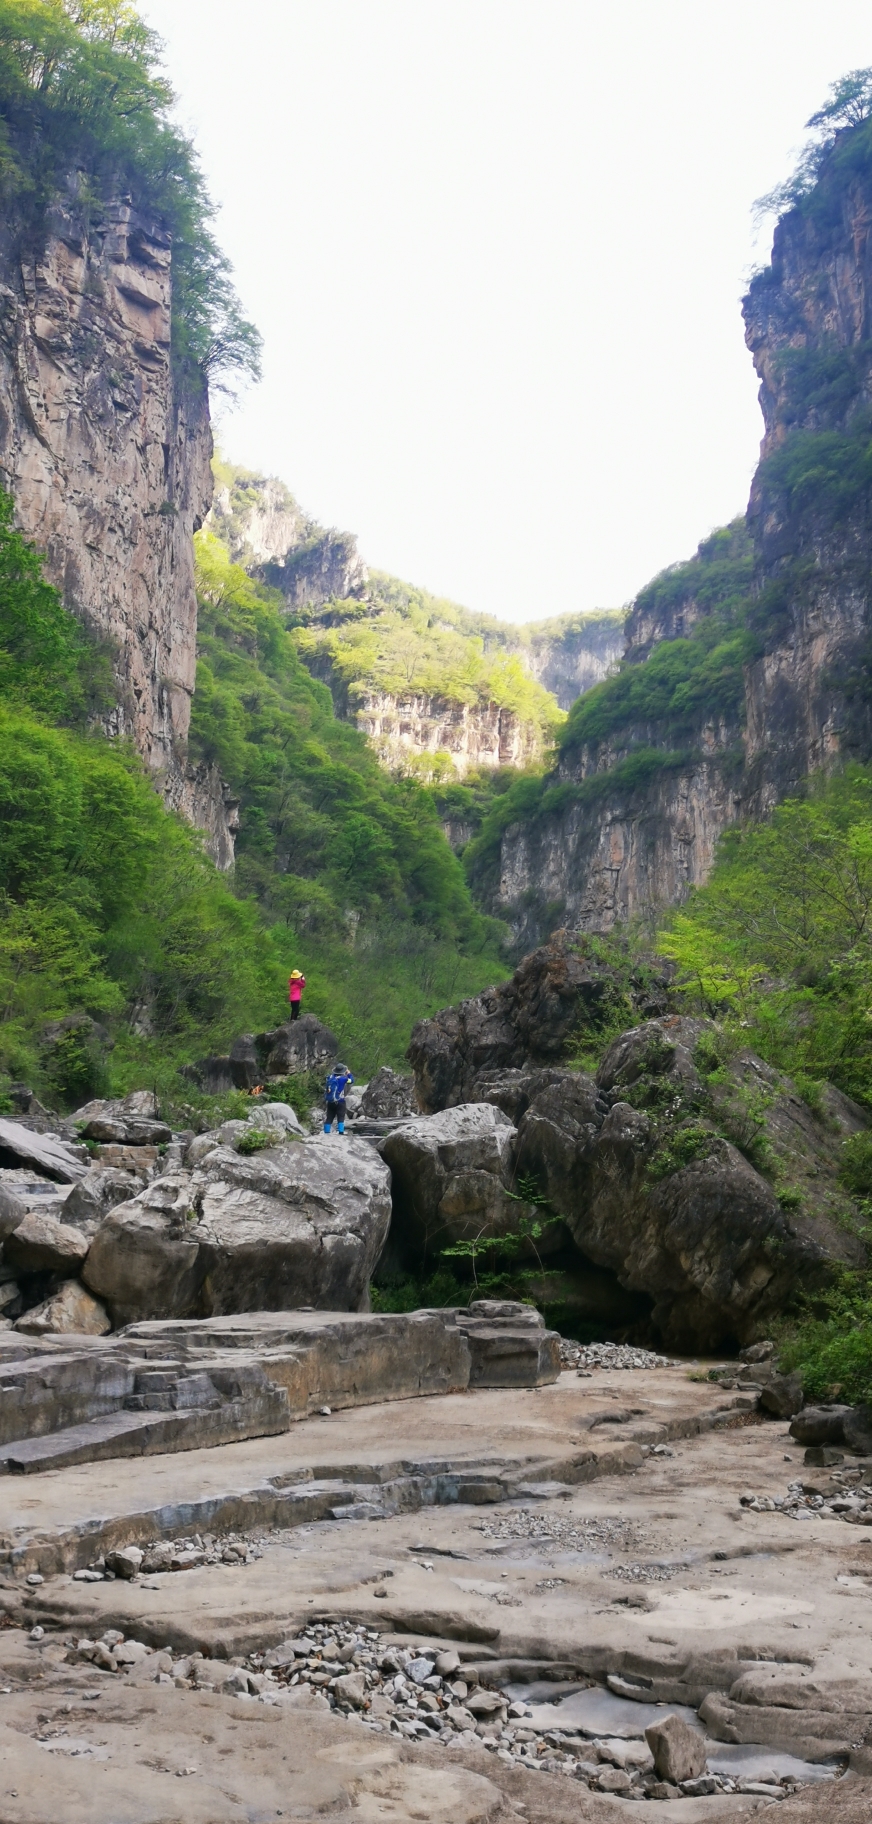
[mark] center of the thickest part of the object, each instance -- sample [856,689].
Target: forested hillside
[411,668]
[111,915]
[123,952]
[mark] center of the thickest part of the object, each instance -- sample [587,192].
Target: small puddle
[595,1712]
[753,1763]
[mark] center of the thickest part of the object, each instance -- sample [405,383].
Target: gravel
[391,1690]
[844,1496]
[589,1358]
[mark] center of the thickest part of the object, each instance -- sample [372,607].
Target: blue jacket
[337,1084]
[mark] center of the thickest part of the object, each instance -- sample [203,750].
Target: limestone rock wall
[474,734]
[107,456]
[617,848]
[569,656]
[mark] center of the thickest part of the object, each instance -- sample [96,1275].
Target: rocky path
[573,1614]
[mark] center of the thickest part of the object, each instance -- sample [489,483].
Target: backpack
[337,1084]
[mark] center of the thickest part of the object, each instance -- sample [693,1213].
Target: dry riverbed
[482,1659]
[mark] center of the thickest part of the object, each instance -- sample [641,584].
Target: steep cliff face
[419,676]
[106,453]
[572,652]
[472,735]
[266,531]
[728,700]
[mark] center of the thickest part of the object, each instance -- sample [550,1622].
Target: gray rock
[820,1425]
[70,1312]
[41,1244]
[294,1048]
[126,1130]
[52,1157]
[524,1021]
[514,1090]
[350,1689]
[144,1260]
[12,1212]
[299,1224]
[101,1189]
[858,1430]
[451,1176]
[126,1562]
[388,1094]
[782,1395]
[679,1751]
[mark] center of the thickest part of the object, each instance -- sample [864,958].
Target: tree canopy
[81,91]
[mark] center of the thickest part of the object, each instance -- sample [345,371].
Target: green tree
[81,91]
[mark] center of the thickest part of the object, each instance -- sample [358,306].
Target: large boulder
[275,1120]
[527,1020]
[12,1212]
[453,1181]
[101,1189]
[296,1224]
[52,1157]
[144,1261]
[41,1244]
[71,1311]
[290,1050]
[388,1095]
[640,1165]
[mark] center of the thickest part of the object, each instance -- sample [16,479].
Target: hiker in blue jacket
[337,1088]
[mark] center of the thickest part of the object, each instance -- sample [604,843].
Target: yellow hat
[296,975]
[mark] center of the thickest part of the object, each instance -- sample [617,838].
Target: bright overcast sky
[496,250]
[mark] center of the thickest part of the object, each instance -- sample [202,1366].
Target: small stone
[350,1689]
[612,1779]
[37,1633]
[125,1563]
[34,1578]
[447,1663]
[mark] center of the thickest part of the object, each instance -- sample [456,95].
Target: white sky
[496,250]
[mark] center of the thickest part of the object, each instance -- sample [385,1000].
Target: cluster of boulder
[252,1216]
[676,1194]
[689,1199]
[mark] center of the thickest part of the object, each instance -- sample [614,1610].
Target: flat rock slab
[157,1756]
[48,1155]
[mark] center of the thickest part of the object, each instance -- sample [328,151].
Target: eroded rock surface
[298,1224]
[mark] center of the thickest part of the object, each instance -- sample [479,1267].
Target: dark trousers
[295,1010]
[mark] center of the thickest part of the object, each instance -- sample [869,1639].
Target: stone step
[141,1434]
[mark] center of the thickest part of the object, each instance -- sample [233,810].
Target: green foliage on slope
[402,641]
[82,98]
[109,907]
[779,942]
[683,680]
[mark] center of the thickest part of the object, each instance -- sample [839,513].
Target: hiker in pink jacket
[296,985]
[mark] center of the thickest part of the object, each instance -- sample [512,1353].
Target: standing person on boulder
[296,984]
[338,1084]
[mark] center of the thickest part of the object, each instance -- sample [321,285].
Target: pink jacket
[295,989]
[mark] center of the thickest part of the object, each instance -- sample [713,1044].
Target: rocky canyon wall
[106,453]
[327,587]
[471,735]
[571,653]
[634,819]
